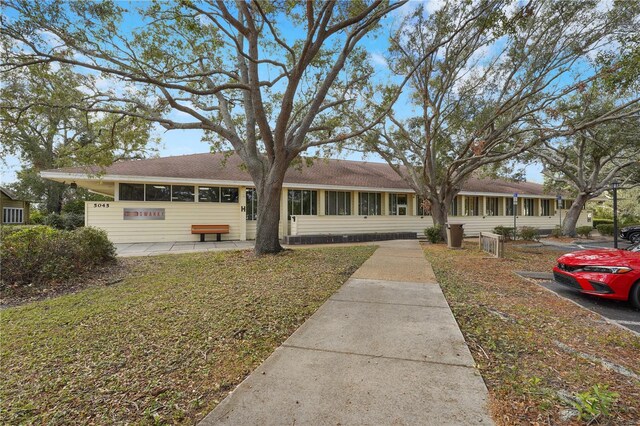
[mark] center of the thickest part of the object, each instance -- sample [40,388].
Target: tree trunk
[269,192]
[573,214]
[439,214]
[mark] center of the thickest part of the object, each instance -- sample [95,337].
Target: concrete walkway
[384,350]
[154,249]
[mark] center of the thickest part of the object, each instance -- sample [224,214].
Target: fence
[491,243]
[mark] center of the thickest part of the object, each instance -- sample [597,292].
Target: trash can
[454,235]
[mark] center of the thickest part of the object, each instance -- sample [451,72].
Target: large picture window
[398,204]
[182,193]
[229,195]
[337,203]
[131,192]
[509,211]
[302,202]
[492,206]
[546,208]
[12,215]
[158,192]
[473,206]
[528,205]
[252,204]
[370,204]
[453,211]
[208,194]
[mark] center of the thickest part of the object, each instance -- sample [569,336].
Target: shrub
[41,255]
[595,403]
[529,233]
[36,217]
[505,231]
[54,220]
[584,231]
[556,232]
[597,222]
[71,221]
[605,229]
[93,246]
[433,234]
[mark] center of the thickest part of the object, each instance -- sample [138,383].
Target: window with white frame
[12,215]
[251,198]
[528,206]
[546,208]
[369,203]
[337,203]
[493,206]
[303,202]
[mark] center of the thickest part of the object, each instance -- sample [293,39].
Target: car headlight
[607,269]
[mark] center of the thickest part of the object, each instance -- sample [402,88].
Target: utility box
[454,235]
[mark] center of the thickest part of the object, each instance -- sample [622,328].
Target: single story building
[14,210]
[158,199]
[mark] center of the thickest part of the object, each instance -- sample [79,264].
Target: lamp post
[614,185]
[515,211]
[559,205]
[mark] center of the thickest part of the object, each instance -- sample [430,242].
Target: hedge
[42,255]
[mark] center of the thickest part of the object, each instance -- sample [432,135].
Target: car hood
[603,257]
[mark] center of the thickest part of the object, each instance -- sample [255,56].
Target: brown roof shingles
[323,172]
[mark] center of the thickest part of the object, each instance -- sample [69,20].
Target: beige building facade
[14,211]
[158,200]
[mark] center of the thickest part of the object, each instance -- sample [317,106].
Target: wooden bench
[209,229]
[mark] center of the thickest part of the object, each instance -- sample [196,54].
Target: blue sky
[182,142]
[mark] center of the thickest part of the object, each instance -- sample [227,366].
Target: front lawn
[166,344]
[535,350]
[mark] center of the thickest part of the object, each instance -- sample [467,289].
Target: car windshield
[634,247]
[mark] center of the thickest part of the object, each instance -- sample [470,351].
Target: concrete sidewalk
[154,249]
[384,350]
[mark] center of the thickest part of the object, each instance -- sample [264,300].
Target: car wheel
[634,295]
[635,237]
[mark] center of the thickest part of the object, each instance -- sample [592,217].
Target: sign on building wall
[143,214]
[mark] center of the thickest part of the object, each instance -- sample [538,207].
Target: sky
[183,142]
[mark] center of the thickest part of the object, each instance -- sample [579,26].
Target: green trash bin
[454,235]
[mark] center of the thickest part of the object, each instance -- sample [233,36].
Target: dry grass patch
[166,344]
[536,351]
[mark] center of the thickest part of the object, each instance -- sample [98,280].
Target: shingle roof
[323,172]
[8,193]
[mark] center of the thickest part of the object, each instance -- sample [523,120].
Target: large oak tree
[481,90]
[270,79]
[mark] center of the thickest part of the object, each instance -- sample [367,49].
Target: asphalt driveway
[616,311]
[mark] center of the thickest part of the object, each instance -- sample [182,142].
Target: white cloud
[379,60]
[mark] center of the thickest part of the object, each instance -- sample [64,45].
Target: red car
[606,273]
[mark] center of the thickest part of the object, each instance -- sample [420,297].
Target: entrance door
[402,204]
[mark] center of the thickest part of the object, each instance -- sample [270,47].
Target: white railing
[491,243]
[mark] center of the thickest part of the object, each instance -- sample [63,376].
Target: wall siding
[177,224]
[327,225]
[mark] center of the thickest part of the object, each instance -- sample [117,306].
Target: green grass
[166,344]
[530,344]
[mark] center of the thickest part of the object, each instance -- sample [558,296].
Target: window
[158,192]
[252,204]
[337,203]
[546,208]
[473,206]
[454,207]
[492,206]
[182,193]
[370,203]
[398,204]
[566,204]
[208,194]
[424,207]
[229,195]
[302,202]
[528,205]
[509,211]
[12,215]
[131,192]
